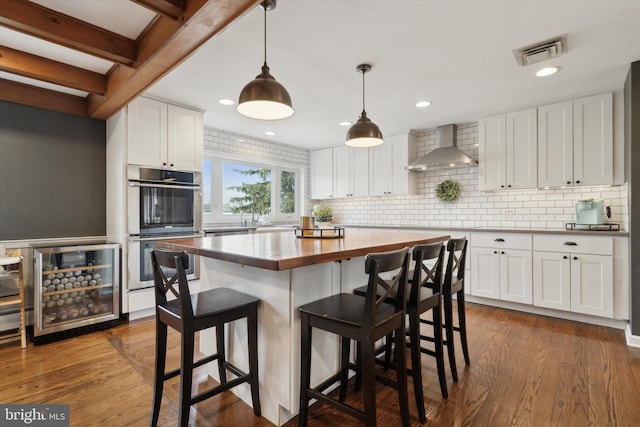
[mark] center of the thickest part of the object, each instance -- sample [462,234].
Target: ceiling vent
[548,49]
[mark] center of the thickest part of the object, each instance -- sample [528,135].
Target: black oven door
[146,267]
[166,210]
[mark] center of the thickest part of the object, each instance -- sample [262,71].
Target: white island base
[281,292]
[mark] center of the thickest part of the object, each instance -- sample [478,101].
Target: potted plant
[323,214]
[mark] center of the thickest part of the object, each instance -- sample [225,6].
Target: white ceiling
[455,53]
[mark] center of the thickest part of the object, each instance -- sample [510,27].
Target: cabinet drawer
[573,244]
[501,240]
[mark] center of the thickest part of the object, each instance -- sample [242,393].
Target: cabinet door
[552,280]
[515,276]
[491,168]
[321,169]
[359,171]
[185,139]
[147,132]
[521,152]
[404,152]
[380,168]
[555,144]
[593,140]
[342,185]
[592,285]
[485,272]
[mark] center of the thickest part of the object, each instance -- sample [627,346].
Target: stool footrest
[219,389]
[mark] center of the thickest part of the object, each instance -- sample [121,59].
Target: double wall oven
[163,204]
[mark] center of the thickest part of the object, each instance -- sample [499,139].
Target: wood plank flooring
[526,370]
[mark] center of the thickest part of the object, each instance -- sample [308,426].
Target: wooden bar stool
[423,296]
[454,285]
[364,320]
[191,313]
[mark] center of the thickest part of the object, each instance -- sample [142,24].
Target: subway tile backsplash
[513,208]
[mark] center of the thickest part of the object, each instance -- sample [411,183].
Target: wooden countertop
[283,251]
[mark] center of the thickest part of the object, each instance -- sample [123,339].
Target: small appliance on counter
[589,216]
[589,212]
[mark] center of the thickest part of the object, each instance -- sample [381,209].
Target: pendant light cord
[363,92]
[265,35]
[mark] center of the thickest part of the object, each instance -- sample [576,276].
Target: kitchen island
[285,272]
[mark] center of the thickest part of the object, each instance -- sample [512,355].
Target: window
[235,189]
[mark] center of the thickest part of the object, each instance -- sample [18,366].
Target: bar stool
[454,285]
[422,296]
[191,313]
[11,268]
[364,320]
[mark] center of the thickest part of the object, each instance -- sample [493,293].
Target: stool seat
[189,314]
[345,309]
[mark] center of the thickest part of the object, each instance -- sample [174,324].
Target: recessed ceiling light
[270,133]
[423,104]
[547,71]
[346,123]
[226,101]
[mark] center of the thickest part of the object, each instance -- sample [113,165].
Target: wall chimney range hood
[447,155]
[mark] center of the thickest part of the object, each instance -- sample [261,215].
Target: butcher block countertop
[284,251]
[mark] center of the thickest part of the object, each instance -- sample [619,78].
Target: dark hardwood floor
[526,370]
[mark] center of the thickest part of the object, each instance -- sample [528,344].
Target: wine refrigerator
[76,289]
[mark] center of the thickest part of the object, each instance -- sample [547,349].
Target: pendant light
[264,98]
[364,133]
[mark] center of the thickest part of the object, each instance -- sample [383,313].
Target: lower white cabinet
[574,273]
[501,266]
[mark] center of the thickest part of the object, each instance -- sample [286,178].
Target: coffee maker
[589,212]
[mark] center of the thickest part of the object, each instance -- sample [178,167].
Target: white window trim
[217,217]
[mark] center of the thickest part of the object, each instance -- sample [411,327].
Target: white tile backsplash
[526,208]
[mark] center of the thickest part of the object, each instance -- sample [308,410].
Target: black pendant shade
[264,98]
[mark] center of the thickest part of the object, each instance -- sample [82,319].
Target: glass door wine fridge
[76,289]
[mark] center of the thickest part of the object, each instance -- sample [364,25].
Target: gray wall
[52,174]
[632,157]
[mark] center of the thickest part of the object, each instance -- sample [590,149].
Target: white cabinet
[574,273]
[575,142]
[164,136]
[388,172]
[321,171]
[501,266]
[508,151]
[350,171]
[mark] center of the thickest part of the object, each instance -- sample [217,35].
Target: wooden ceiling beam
[39,68]
[163,47]
[39,21]
[163,7]
[21,93]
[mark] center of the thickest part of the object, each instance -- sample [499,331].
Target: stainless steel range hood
[447,155]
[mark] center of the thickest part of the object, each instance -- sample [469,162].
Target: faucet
[253,208]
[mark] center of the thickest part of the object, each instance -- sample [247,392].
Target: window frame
[217,216]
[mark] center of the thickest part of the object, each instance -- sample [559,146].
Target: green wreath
[447,190]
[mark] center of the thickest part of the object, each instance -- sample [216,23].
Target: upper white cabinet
[350,171]
[388,172]
[508,151]
[575,142]
[164,136]
[321,171]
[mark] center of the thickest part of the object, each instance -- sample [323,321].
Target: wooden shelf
[82,288]
[86,267]
[10,300]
